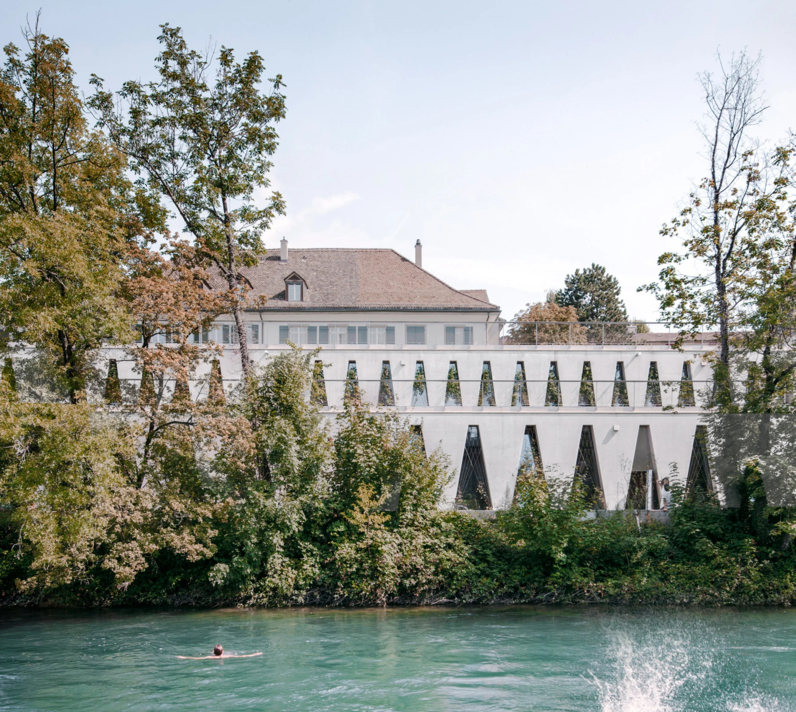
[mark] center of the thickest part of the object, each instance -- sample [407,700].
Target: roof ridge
[433,276]
[333,249]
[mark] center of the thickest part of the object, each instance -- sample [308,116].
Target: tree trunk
[234,288]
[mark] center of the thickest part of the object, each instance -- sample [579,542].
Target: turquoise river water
[464,659]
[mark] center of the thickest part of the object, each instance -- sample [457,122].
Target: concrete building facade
[607,410]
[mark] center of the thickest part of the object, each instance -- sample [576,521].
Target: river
[423,660]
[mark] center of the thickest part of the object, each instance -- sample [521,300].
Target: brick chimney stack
[419,254]
[283,250]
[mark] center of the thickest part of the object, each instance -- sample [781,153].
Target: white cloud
[320,206]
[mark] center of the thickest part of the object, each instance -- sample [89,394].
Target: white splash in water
[645,672]
[668,664]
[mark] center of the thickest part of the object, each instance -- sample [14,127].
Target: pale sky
[518,140]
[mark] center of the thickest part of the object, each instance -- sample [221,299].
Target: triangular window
[685,398]
[416,432]
[473,490]
[8,376]
[182,391]
[699,481]
[519,395]
[113,386]
[587,471]
[453,388]
[653,395]
[553,394]
[216,386]
[620,397]
[642,492]
[386,393]
[419,388]
[146,392]
[586,392]
[318,388]
[486,396]
[530,456]
[351,382]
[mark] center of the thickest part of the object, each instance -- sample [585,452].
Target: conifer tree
[594,294]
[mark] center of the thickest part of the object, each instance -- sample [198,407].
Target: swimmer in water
[218,652]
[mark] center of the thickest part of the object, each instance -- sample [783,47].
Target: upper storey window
[294,292]
[295,288]
[415,335]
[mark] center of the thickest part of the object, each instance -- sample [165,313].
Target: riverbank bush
[274,511]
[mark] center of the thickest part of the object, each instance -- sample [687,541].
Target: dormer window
[294,291]
[294,288]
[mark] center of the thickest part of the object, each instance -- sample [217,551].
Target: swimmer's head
[218,650]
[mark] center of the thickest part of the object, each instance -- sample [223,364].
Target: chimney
[419,254]
[283,250]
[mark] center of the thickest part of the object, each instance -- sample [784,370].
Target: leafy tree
[204,143]
[67,215]
[167,297]
[720,226]
[594,294]
[290,438]
[546,323]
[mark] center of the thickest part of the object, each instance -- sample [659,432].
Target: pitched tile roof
[479,294]
[370,279]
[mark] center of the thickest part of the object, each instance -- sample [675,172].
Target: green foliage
[68,216]
[204,143]
[594,294]
[113,387]
[486,391]
[553,390]
[8,377]
[257,500]
[586,395]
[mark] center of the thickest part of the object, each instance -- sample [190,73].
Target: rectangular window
[298,335]
[362,334]
[254,333]
[284,334]
[389,334]
[415,335]
[195,337]
[208,336]
[352,335]
[294,291]
[377,335]
[229,334]
[338,335]
[458,336]
[323,334]
[312,335]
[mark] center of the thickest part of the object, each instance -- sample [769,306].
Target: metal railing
[443,393]
[597,333]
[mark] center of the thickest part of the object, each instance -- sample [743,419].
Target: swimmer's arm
[250,655]
[217,657]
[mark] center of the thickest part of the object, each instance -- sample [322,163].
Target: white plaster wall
[486,328]
[502,427]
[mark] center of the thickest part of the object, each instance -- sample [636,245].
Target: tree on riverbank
[204,144]
[68,216]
